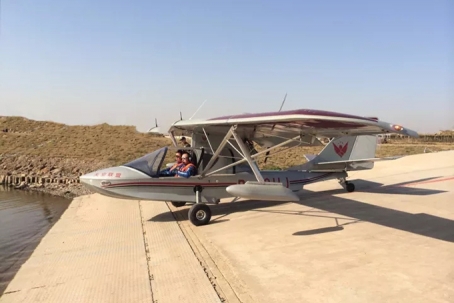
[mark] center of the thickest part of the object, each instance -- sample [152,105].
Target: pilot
[171,171]
[187,169]
[184,142]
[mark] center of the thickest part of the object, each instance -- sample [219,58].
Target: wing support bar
[204,174]
[172,137]
[247,156]
[218,151]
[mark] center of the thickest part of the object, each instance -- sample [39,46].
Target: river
[25,218]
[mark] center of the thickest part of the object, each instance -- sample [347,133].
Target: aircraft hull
[182,189]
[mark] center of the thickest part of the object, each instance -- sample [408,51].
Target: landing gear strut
[199,213]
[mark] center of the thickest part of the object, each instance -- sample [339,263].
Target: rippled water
[25,218]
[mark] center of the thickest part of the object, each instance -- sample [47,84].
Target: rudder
[348,148]
[344,153]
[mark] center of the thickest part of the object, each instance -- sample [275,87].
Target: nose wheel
[199,214]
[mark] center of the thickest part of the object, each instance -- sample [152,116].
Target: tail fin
[348,148]
[345,153]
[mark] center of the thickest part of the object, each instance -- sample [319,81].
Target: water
[25,218]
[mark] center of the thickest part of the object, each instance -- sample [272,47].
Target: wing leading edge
[294,122]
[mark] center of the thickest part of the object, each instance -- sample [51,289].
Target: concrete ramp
[106,250]
[392,240]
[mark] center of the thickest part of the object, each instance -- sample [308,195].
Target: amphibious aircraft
[224,154]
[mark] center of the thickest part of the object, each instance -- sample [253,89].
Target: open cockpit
[153,163]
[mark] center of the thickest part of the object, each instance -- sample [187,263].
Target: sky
[129,62]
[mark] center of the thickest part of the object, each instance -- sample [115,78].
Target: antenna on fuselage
[282,104]
[181,116]
[283,101]
[198,109]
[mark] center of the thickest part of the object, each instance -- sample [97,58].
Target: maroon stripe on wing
[309,112]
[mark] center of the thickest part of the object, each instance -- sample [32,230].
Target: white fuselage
[122,182]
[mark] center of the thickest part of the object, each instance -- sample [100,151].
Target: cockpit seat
[197,156]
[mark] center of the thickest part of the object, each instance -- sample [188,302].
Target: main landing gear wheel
[178,204]
[199,214]
[350,187]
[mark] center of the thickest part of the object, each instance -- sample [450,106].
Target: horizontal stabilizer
[360,160]
[259,191]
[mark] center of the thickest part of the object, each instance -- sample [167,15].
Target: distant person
[187,169]
[171,171]
[184,142]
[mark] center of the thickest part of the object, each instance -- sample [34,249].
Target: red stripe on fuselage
[176,184]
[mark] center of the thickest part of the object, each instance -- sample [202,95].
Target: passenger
[187,169]
[171,171]
[184,142]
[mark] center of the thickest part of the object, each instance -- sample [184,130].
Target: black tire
[199,214]
[350,187]
[178,204]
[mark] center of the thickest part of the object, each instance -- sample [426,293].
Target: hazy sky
[127,62]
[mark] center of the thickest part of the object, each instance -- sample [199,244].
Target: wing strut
[247,156]
[208,139]
[248,159]
[218,151]
[172,137]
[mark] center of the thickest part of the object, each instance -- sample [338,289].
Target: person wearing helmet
[187,169]
[171,171]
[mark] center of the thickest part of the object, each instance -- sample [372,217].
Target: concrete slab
[94,253]
[176,274]
[105,250]
[392,240]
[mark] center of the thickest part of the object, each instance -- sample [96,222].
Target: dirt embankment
[50,157]
[58,176]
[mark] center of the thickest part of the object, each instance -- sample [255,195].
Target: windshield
[149,164]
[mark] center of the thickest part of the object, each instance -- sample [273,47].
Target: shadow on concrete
[222,210]
[318,231]
[420,224]
[366,186]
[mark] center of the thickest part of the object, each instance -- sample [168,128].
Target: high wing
[271,128]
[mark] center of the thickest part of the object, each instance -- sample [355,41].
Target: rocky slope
[53,168]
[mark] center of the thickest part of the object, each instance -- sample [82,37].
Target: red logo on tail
[339,149]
